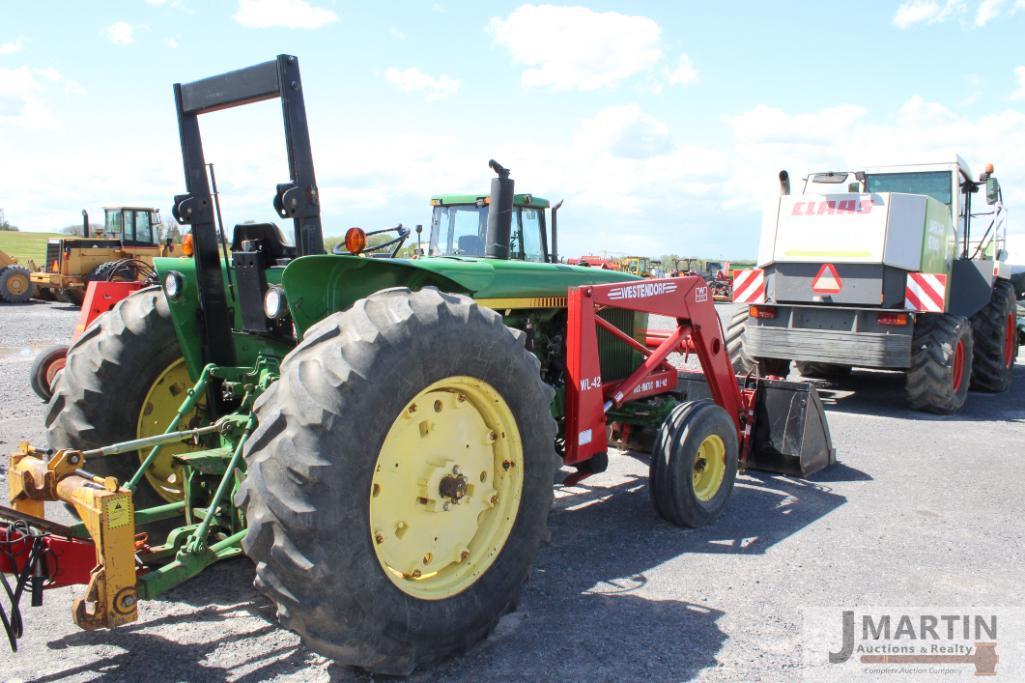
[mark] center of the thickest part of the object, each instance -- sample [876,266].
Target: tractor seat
[470,245]
[263,237]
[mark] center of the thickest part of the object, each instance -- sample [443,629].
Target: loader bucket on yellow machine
[791,435]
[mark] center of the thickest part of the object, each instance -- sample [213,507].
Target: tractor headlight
[275,304]
[174,283]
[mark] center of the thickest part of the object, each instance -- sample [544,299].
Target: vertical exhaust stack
[85,223]
[784,182]
[500,213]
[555,231]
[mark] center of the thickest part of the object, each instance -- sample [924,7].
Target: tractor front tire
[994,330]
[743,363]
[45,367]
[941,364]
[399,480]
[124,378]
[694,464]
[113,271]
[15,285]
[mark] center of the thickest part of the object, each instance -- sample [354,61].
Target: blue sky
[661,124]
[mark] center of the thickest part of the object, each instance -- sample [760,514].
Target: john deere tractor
[459,224]
[380,436]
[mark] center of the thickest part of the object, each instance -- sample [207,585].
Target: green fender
[317,286]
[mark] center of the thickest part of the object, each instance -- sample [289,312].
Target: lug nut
[463,555]
[379,538]
[492,437]
[427,558]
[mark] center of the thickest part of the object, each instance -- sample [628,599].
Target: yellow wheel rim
[709,468]
[17,283]
[446,488]
[159,407]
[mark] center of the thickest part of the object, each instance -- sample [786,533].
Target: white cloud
[173,4]
[575,48]
[624,131]
[437,7]
[120,33]
[396,33]
[988,10]
[414,80]
[284,13]
[24,95]
[913,12]
[171,43]
[12,47]
[1019,73]
[684,73]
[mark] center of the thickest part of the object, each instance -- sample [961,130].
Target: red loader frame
[698,330]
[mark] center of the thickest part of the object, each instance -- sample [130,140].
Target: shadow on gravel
[872,392]
[586,611]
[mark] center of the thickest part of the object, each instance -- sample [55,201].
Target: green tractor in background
[459,224]
[379,435]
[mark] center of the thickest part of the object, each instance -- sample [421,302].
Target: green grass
[26,245]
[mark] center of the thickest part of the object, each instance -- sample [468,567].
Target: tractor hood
[317,286]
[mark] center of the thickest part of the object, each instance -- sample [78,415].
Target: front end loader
[380,436]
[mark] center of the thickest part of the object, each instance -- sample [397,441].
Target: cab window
[112,222]
[143,226]
[529,225]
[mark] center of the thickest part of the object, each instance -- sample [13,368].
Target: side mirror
[992,190]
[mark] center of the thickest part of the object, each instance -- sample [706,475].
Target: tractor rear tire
[941,364]
[320,467]
[822,370]
[102,391]
[994,330]
[15,284]
[45,367]
[743,363]
[694,464]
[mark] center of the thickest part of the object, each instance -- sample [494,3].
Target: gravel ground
[922,510]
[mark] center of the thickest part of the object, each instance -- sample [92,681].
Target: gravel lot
[922,510]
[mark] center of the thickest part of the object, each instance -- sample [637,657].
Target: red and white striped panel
[926,292]
[749,286]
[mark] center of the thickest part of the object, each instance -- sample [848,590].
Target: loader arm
[698,329]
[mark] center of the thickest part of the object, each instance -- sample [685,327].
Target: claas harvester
[379,436]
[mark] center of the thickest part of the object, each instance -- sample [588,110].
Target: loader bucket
[791,435]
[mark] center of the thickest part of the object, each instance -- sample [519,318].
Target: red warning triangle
[827,281]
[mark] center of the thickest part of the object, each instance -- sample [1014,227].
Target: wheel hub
[442,502]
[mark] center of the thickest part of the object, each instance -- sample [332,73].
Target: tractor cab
[131,225]
[949,183]
[459,225]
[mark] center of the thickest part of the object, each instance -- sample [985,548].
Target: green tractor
[380,436]
[459,224]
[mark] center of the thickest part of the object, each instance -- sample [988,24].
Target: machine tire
[822,370]
[675,459]
[743,363]
[113,271]
[934,383]
[320,442]
[72,296]
[994,330]
[43,373]
[117,358]
[15,284]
